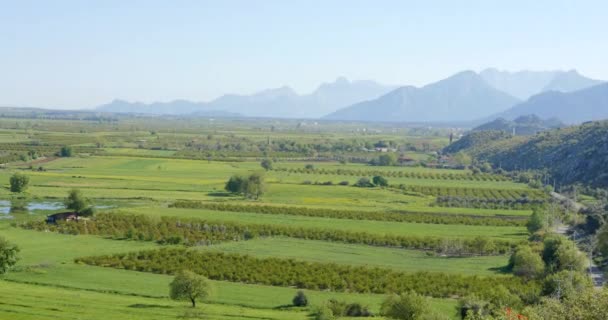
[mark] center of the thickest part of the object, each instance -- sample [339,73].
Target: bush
[536,222]
[364,183]
[344,183]
[300,299]
[8,255]
[526,263]
[380,181]
[323,313]
[66,151]
[266,164]
[407,306]
[19,182]
[76,201]
[309,167]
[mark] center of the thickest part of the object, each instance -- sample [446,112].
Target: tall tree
[188,285]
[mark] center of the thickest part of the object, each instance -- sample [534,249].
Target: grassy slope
[47,261]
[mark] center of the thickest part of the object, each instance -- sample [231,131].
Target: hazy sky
[83,53]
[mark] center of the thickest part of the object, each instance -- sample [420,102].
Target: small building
[62,216]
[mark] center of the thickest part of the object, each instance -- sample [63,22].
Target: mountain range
[467,96]
[464,97]
[573,107]
[461,97]
[281,102]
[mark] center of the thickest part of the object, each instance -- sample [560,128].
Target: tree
[388,159]
[536,222]
[235,184]
[255,186]
[266,164]
[407,306]
[188,285]
[462,159]
[8,255]
[19,182]
[300,299]
[380,181]
[66,151]
[76,201]
[526,263]
[588,304]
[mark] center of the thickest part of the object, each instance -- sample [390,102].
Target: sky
[79,54]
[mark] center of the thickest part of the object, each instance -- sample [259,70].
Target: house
[62,216]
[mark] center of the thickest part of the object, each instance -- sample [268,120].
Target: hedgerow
[522,203]
[308,275]
[479,193]
[200,232]
[401,216]
[399,174]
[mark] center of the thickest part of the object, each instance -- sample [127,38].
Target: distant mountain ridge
[525,84]
[523,125]
[461,97]
[278,102]
[574,107]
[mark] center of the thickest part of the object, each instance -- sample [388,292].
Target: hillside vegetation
[570,155]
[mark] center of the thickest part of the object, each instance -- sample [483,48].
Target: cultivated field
[311,215]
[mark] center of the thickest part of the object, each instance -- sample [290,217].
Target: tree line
[172,230]
[309,275]
[400,216]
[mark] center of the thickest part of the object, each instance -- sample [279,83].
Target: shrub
[300,299]
[407,306]
[526,263]
[19,182]
[9,255]
[66,151]
[364,183]
[344,183]
[380,181]
[266,164]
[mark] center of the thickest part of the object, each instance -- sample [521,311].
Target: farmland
[158,187]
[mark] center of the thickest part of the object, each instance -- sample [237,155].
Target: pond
[5,207]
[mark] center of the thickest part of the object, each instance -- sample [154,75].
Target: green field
[135,166]
[398,259]
[373,227]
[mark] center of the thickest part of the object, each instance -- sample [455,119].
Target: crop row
[399,174]
[415,217]
[481,203]
[200,232]
[479,193]
[308,275]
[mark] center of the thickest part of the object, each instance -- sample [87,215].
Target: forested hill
[577,154]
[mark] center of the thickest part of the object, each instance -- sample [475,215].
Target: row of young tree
[200,232]
[523,203]
[394,173]
[478,193]
[310,275]
[401,216]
